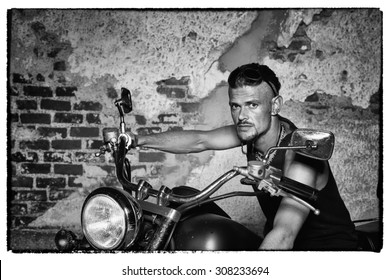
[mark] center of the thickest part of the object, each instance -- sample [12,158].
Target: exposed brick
[173,81]
[172,92]
[376,98]
[35,168]
[18,209]
[192,35]
[57,157]
[148,130]
[51,182]
[325,13]
[22,182]
[291,56]
[68,169]
[14,117]
[59,194]
[58,105]
[26,104]
[68,118]
[12,90]
[19,221]
[13,169]
[138,170]
[376,101]
[66,91]
[59,66]
[151,156]
[88,157]
[110,180]
[37,91]
[84,131]
[312,98]
[40,78]
[72,183]
[320,55]
[62,80]
[66,144]
[54,52]
[22,157]
[109,169]
[189,107]
[111,93]
[88,106]
[40,207]
[35,145]
[30,195]
[156,170]
[175,128]
[38,28]
[94,144]
[39,52]
[52,132]
[141,120]
[93,118]
[300,44]
[35,118]
[167,119]
[21,79]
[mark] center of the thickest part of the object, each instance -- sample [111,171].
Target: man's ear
[277,103]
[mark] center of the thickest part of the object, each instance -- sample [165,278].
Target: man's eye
[253,105]
[233,106]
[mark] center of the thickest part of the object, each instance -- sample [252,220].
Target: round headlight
[110,219]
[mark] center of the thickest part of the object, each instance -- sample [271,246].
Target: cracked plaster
[351,42]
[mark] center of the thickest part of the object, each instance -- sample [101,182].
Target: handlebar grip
[298,189]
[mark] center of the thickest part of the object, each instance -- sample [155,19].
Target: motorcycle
[139,217]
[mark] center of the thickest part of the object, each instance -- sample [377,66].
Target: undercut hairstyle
[254,74]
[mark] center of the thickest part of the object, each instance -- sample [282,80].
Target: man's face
[251,109]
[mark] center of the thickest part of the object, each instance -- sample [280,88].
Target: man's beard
[246,132]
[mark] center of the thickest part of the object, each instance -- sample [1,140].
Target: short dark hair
[254,74]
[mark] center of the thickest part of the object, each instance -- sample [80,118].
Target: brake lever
[102,150]
[301,201]
[274,190]
[268,183]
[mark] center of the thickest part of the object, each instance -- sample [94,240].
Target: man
[255,105]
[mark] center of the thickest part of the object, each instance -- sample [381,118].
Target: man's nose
[243,114]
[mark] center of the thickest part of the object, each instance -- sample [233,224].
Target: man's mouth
[244,125]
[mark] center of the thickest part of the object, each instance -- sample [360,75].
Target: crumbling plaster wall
[328,61]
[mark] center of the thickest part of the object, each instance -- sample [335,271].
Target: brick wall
[54,135]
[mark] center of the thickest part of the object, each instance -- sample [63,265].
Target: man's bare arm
[291,215]
[191,141]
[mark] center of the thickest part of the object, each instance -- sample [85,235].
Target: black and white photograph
[232,133]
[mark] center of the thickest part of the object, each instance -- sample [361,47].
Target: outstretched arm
[191,141]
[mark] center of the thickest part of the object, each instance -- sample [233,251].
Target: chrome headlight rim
[132,216]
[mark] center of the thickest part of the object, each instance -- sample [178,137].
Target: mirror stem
[309,146]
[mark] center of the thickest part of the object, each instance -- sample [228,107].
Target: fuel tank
[213,232]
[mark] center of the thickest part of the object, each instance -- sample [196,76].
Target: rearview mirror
[319,144]
[127,105]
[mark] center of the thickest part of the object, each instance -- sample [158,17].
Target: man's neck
[270,138]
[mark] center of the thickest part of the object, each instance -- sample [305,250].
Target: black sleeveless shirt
[332,229]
